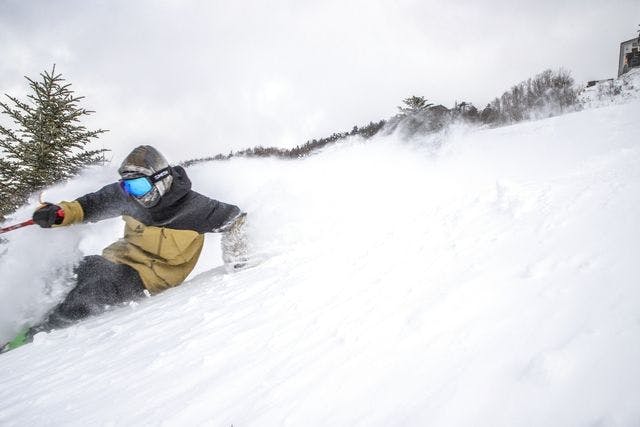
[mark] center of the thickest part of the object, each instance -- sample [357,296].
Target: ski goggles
[141,186]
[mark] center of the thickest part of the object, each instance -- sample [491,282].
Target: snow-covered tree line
[46,144]
[547,94]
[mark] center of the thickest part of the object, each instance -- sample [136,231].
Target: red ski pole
[16,226]
[59,214]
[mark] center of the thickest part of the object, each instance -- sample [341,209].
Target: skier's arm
[108,202]
[220,216]
[230,221]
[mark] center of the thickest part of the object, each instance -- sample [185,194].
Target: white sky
[202,77]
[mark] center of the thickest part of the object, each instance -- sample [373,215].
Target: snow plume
[36,270]
[487,282]
[36,265]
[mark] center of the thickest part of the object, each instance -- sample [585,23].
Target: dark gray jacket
[180,208]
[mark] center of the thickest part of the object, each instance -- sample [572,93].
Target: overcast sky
[210,76]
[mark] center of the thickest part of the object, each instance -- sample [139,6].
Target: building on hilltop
[629,55]
[592,83]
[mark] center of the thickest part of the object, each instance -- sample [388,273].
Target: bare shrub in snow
[547,94]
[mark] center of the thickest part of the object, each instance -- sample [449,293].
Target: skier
[165,221]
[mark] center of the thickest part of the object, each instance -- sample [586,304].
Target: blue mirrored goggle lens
[136,187]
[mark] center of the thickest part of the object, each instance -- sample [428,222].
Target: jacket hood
[170,203]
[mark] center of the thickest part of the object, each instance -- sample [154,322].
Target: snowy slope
[492,282]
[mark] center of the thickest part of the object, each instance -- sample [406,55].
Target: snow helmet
[146,161]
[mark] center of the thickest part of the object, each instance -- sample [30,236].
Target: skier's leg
[234,245]
[100,282]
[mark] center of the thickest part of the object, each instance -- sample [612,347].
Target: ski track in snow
[493,282]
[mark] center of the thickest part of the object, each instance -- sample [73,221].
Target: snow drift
[491,281]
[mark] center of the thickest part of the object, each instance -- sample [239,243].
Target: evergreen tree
[414,105]
[490,115]
[417,116]
[47,143]
[9,187]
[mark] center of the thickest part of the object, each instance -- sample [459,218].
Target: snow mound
[612,91]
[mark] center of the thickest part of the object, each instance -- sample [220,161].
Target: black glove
[47,215]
